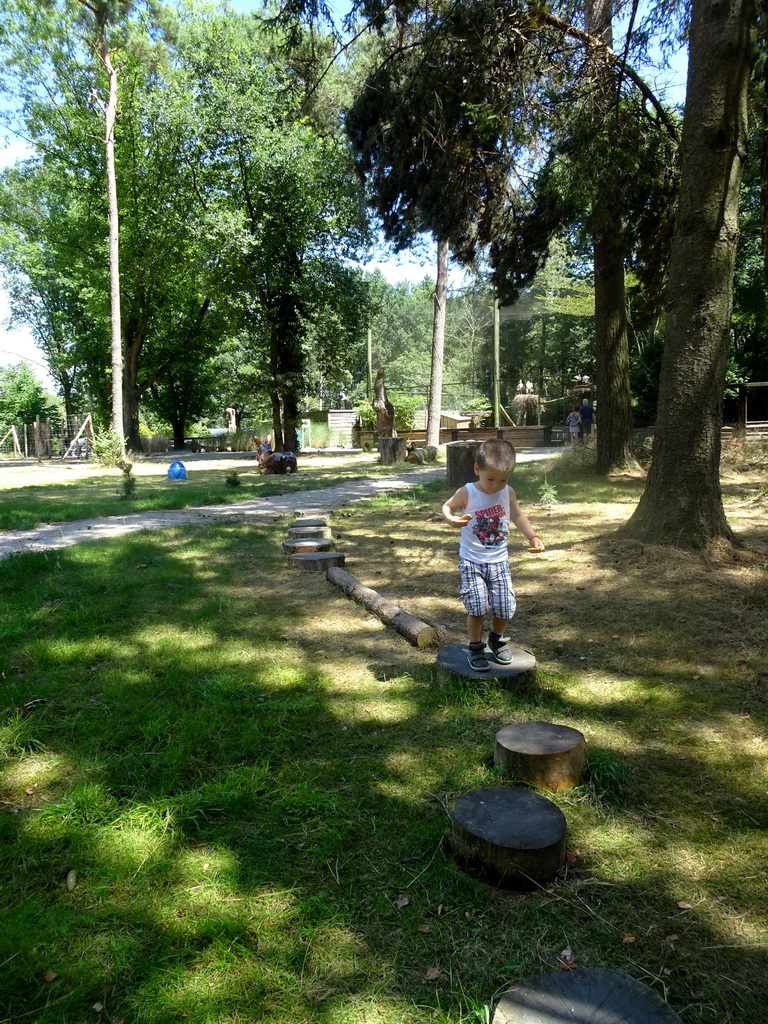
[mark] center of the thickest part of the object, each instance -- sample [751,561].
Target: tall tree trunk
[682,502]
[438,346]
[110,112]
[614,436]
[277,422]
[133,343]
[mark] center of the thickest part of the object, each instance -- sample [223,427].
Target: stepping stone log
[301,521]
[308,532]
[512,838]
[302,547]
[585,995]
[550,756]
[520,673]
[317,561]
[392,450]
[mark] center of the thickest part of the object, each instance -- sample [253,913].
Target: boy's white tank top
[484,538]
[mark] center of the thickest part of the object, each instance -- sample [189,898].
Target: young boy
[489,507]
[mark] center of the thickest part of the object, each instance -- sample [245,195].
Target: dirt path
[324,500]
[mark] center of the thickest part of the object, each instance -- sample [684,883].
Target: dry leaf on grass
[50,976]
[628,937]
[433,973]
[424,928]
[567,960]
[71,880]
[402,901]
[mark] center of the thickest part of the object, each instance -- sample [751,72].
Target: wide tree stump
[392,450]
[318,561]
[585,995]
[308,532]
[302,521]
[550,756]
[461,457]
[520,674]
[513,838]
[419,633]
[305,547]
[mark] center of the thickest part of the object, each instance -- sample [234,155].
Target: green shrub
[108,448]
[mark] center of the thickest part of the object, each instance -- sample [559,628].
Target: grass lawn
[224,784]
[62,493]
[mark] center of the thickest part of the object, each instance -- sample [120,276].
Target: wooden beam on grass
[419,633]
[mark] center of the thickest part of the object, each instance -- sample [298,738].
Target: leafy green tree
[288,217]
[22,396]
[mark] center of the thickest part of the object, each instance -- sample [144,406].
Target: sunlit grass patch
[246,771]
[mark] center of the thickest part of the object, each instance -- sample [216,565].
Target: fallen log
[419,633]
[419,456]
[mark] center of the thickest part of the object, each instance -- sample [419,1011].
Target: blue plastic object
[177,471]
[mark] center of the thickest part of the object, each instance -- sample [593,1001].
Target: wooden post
[496,367]
[38,444]
[461,456]
[392,450]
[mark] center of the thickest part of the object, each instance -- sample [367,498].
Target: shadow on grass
[244,804]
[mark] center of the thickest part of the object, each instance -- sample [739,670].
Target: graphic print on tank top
[490,526]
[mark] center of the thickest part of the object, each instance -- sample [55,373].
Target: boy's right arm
[457,501]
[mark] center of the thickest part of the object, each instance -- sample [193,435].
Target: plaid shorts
[487,584]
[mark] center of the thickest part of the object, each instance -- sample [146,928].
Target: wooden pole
[496,382]
[370,367]
[419,633]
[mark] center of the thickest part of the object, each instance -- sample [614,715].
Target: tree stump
[385,411]
[550,756]
[392,450]
[308,532]
[461,458]
[585,995]
[306,546]
[317,561]
[302,521]
[513,838]
[520,674]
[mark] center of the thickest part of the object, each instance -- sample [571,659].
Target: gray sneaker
[477,658]
[500,648]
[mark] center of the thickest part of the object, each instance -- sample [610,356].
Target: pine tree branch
[594,43]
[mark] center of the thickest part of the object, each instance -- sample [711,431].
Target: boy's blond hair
[496,454]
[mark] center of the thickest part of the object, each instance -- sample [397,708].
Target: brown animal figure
[279,463]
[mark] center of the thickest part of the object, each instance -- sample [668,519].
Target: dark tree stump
[550,756]
[305,547]
[318,561]
[586,995]
[461,457]
[519,674]
[309,532]
[392,450]
[513,838]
